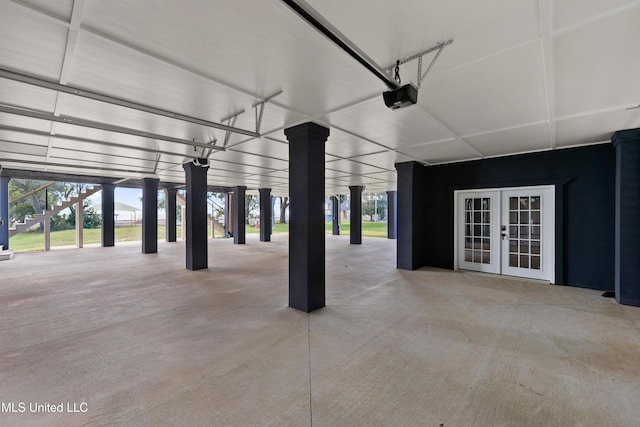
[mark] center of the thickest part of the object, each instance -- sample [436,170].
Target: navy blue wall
[585,203]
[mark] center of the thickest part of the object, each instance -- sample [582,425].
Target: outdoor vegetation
[34,241]
[27,197]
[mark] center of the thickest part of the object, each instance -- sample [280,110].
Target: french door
[506,231]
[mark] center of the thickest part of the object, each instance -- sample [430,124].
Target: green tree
[372,203]
[252,206]
[284,204]
[90,219]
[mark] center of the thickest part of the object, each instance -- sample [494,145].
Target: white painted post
[79,224]
[47,233]
[184,220]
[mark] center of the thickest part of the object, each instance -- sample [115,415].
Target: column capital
[307,130]
[629,135]
[193,165]
[407,166]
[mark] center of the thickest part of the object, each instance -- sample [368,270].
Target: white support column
[184,220]
[79,225]
[47,234]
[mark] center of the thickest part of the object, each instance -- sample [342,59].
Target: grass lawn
[34,241]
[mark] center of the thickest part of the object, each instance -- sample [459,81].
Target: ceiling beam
[94,141]
[72,166]
[76,121]
[83,93]
[67,61]
[546,48]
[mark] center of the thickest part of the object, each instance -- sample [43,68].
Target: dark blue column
[239,216]
[171,214]
[355,233]
[108,211]
[627,217]
[392,224]
[306,219]
[265,214]
[410,246]
[149,215]
[196,239]
[227,215]
[335,211]
[4,211]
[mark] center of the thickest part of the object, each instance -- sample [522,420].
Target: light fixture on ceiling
[397,96]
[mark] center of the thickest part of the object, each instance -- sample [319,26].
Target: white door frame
[548,227]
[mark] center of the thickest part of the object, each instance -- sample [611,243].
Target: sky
[128,196]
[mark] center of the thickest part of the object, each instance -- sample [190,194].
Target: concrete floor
[136,339]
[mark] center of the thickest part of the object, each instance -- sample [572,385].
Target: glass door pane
[528,214]
[478,231]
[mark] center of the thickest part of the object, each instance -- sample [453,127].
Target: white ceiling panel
[392,129]
[67,144]
[129,74]
[13,147]
[571,13]
[27,96]
[22,137]
[442,152]
[248,159]
[384,160]
[30,42]
[604,54]
[595,128]
[119,116]
[519,140]
[24,122]
[495,93]
[257,62]
[58,8]
[387,31]
[264,147]
[75,157]
[352,168]
[132,141]
[390,177]
[342,144]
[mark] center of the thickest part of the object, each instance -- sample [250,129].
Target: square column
[306,221]
[355,235]
[410,246]
[627,226]
[108,223]
[265,214]
[239,215]
[196,240]
[171,214]
[79,224]
[392,224]
[150,215]
[4,211]
[335,215]
[227,215]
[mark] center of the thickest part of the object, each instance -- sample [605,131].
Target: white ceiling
[520,76]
